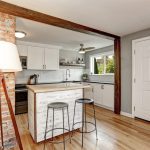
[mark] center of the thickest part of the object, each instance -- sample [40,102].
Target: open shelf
[76,65]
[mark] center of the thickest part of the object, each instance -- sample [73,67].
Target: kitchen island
[39,96]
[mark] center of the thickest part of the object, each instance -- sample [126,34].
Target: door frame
[133,71]
[51,20]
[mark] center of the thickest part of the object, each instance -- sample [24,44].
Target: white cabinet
[22,49]
[103,94]
[108,96]
[51,59]
[40,58]
[35,58]
[88,92]
[98,95]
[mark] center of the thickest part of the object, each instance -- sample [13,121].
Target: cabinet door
[108,96]
[88,92]
[22,49]
[51,59]
[98,97]
[35,58]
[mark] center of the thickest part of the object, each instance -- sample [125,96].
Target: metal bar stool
[84,122]
[57,106]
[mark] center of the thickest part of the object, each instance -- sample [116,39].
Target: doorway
[141,78]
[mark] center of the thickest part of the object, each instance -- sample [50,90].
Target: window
[102,64]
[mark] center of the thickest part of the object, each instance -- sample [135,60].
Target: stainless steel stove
[21,97]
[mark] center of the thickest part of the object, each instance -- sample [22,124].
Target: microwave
[23,60]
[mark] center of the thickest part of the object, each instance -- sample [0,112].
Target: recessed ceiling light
[20,34]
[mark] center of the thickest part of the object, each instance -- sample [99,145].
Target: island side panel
[43,99]
[31,112]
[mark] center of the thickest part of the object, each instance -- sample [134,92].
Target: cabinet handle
[102,87]
[45,66]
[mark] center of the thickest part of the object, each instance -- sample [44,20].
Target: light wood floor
[115,132]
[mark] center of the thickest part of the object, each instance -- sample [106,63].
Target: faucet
[67,74]
[35,77]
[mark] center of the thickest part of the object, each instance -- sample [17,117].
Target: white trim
[101,53]
[133,70]
[37,44]
[126,114]
[109,108]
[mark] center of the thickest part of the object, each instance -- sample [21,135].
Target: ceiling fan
[83,49]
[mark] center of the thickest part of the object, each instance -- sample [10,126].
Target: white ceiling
[118,17]
[66,39]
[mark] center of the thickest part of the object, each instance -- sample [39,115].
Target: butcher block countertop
[41,88]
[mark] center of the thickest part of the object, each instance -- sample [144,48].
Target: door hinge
[134,52]
[134,108]
[134,80]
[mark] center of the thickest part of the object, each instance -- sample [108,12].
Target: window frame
[103,54]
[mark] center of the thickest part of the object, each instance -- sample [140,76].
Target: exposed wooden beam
[47,19]
[117,52]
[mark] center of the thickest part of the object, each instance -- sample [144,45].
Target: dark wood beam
[117,52]
[47,19]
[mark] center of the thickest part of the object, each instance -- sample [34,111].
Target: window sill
[101,74]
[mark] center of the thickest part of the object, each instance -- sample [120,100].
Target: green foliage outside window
[110,65]
[103,64]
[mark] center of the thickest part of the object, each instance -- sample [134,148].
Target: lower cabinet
[108,96]
[103,94]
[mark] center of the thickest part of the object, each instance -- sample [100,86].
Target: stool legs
[85,119]
[53,124]
[82,122]
[63,127]
[69,124]
[73,117]
[95,121]
[46,127]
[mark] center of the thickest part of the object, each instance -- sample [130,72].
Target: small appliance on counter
[21,97]
[85,77]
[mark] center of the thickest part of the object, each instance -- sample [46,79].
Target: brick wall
[7,33]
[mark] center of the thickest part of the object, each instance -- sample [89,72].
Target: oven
[21,97]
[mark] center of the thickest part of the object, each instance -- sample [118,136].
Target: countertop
[41,88]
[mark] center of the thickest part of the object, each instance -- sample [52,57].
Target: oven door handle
[21,90]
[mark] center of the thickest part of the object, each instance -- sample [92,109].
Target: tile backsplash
[49,76]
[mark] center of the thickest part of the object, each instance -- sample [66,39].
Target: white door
[35,58]
[141,78]
[51,59]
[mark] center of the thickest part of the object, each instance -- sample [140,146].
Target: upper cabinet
[51,59]
[35,58]
[22,49]
[40,56]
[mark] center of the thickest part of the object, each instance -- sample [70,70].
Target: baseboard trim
[126,114]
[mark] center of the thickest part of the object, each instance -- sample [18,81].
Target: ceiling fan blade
[88,48]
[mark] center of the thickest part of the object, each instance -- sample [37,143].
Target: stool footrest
[57,142]
[85,126]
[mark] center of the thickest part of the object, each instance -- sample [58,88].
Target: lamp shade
[9,57]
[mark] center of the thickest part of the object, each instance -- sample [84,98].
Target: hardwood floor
[115,132]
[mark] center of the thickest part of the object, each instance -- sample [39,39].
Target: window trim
[92,65]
